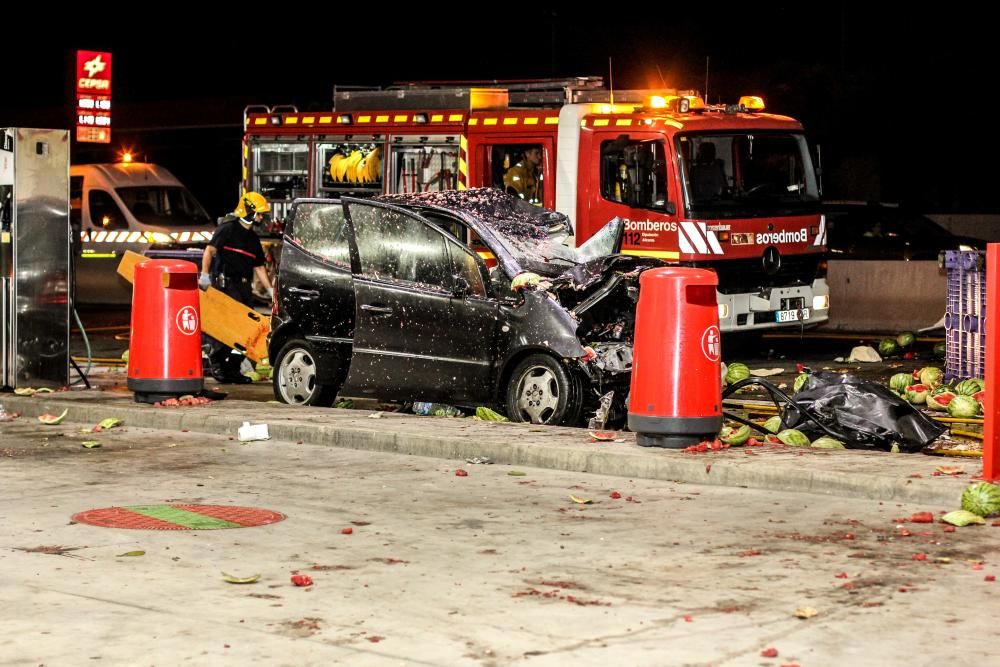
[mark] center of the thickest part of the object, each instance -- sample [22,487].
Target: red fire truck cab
[723,186]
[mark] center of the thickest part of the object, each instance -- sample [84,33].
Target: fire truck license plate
[793,315]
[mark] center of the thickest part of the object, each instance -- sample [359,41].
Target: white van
[134,206]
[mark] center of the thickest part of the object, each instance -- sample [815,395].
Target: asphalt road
[496,567]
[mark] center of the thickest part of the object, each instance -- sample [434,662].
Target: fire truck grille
[743,275]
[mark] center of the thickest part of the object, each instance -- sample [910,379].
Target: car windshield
[169,205]
[745,175]
[533,236]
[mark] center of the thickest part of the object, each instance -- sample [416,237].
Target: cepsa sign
[93,96]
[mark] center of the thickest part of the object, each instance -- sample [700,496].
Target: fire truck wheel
[295,376]
[544,391]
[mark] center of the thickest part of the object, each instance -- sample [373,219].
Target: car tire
[544,391]
[295,377]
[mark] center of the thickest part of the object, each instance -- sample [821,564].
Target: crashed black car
[468,298]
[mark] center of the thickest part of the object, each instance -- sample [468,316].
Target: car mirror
[670,208]
[460,288]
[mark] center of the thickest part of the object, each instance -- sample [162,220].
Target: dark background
[898,98]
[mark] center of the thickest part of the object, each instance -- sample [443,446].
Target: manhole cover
[178,517]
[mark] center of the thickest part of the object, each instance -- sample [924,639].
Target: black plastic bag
[862,414]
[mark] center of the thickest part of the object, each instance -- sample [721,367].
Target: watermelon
[53,419]
[939,350]
[980,396]
[963,406]
[826,442]
[793,437]
[917,394]
[799,381]
[931,376]
[969,387]
[905,339]
[734,435]
[736,372]
[899,382]
[888,347]
[982,499]
[940,398]
[773,424]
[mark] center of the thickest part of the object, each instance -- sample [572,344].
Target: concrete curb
[853,474]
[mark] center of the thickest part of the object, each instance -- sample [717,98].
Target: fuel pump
[35,274]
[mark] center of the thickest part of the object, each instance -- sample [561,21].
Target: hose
[86,344]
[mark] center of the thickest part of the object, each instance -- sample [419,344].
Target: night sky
[897,100]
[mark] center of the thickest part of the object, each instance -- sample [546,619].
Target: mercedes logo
[771,260]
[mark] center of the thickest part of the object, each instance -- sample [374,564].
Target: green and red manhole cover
[178,517]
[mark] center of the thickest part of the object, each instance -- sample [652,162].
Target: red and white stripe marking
[694,238]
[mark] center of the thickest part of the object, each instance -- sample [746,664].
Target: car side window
[319,229]
[397,247]
[104,212]
[463,265]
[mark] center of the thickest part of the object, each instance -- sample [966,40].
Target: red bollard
[676,394]
[991,406]
[165,349]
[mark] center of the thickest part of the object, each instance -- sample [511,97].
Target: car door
[315,281]
[406,326]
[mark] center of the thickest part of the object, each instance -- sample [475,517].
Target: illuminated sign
[93,96]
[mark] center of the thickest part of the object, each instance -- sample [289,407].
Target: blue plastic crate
[965,315]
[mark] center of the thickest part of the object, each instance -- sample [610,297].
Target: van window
[163,205]
[104,212]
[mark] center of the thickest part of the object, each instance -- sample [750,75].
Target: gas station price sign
[93,96]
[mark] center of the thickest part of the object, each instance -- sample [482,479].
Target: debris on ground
[184,401]
[302,580]
[766,372]
[131,554]
[110,422]
[461,473]
[804,612]
[375,415]
[30,391]
[436,409]
[344,404]
[52,420]
[962,518]
[249,432]
[580,501]
[600,418]
[864,354]
[487,415]
[91,444]
[982,499]
[479,460]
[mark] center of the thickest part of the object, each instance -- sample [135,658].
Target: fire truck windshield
[163,205]
[742,175]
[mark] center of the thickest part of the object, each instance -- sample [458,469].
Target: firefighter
[524,178]
[231,259]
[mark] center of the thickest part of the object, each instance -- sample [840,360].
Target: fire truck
[723,186]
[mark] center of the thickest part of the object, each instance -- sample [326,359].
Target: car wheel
[544,391]
[295,377]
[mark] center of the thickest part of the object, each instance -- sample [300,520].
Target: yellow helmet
[250,204]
